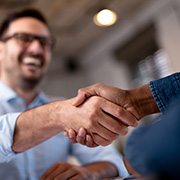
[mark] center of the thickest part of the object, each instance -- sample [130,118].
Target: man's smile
[32,61]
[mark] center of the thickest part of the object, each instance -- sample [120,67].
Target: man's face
[19,62]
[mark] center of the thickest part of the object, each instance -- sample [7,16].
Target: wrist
[143,101]
[63,114]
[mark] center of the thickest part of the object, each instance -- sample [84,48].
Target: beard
[29,83]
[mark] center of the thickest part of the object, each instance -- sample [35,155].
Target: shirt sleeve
[89,155]
[166,91]
[7,126]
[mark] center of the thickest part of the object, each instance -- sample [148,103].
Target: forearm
[35,126]
[101,170]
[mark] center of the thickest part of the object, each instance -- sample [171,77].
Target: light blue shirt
[32,163]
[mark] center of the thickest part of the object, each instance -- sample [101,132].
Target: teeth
[31,61]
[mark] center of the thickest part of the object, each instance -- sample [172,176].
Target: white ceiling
[72,20]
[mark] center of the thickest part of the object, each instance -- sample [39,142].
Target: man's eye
[44,42]
[23,38]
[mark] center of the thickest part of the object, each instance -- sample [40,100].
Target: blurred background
[142,45]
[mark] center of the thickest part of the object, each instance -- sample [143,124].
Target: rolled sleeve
[166,91]
[7,126]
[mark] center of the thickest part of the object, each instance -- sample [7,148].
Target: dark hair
[16,15]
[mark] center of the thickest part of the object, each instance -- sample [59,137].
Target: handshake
[109,112]
[97,116]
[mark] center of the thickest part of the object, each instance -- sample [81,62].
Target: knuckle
[93,115]
[101,142]
[119,111]
[81,90]
[124,131]
[95,99]
[89,124]
[66,164]
[118,128]
[132,121]
[98,84]
[106,143]
[113,137]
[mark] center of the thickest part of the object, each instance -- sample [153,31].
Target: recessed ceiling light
[105,17]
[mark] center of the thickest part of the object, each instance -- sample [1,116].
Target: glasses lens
[24,38]
[46,42]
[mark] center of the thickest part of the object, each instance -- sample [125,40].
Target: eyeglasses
[25,39]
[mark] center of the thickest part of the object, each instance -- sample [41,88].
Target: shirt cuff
[7,126]
[166,91]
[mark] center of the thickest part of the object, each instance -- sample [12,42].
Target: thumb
[84,93]
[80,98]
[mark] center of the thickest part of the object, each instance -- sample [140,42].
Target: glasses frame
[32,37]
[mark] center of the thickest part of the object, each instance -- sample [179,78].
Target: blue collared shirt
[32,163]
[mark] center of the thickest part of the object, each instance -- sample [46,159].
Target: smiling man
[25,54]
[26,50]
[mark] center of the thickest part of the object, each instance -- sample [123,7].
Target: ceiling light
[105,17]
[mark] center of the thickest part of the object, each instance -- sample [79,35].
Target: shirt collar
[40,99]
[7,94]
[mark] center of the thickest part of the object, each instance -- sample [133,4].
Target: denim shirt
[32,163]
[154,148]
[166,91]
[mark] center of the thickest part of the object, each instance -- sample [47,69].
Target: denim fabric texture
[166,91]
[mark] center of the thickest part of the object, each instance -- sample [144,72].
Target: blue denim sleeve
[166,91]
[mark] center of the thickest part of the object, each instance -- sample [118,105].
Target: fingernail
[87,138]
[71,134]
[136,124]
[81,132]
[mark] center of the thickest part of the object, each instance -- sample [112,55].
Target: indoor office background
[143,44]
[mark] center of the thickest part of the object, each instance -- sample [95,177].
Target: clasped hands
[114,111]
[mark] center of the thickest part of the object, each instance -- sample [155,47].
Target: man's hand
[139,101]
[115,95]
[81,137]
[65,170]
[129,168]
[92,171]
[103,120]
